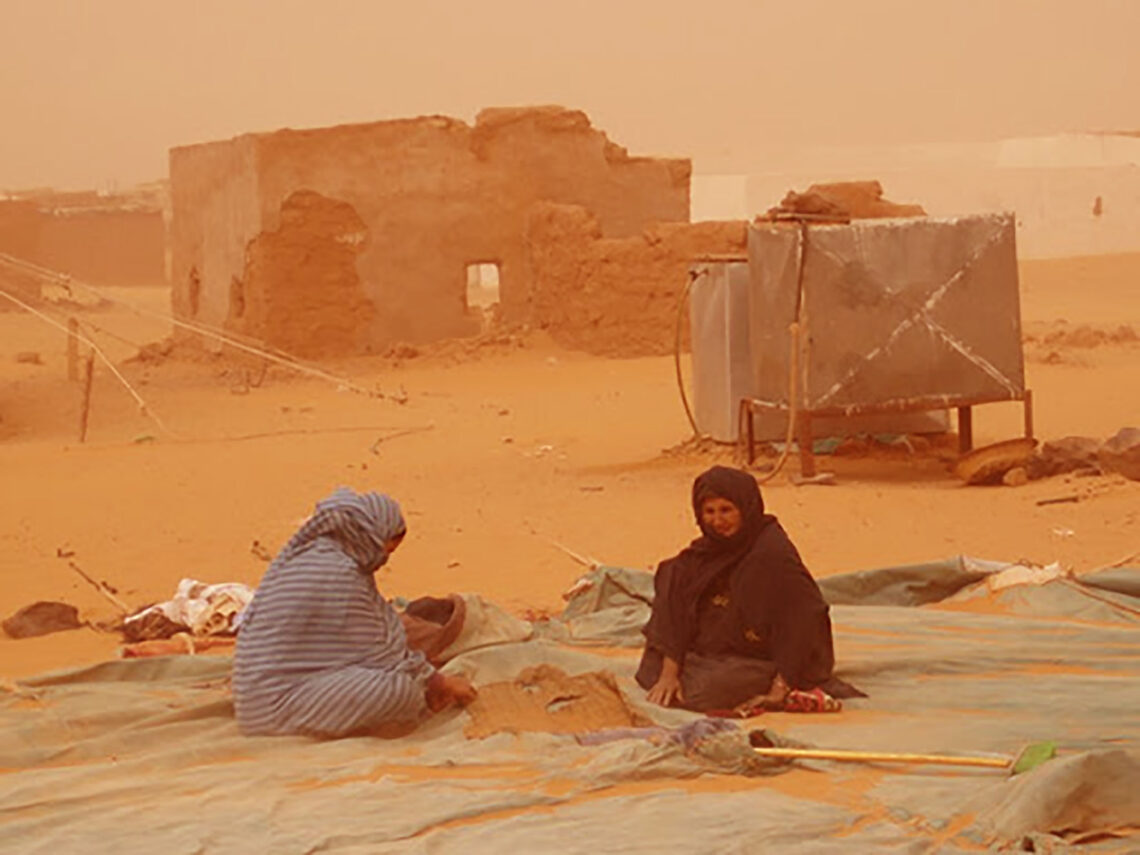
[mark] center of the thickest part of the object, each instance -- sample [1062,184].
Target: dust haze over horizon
[94,94]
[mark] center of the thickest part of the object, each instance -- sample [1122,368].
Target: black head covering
[688,574]
[738,487]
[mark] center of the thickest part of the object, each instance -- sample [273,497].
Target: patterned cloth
[798,701]
[811,701]
[320,651]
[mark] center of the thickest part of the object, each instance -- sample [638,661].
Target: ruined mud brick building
[352,238]
[102,239]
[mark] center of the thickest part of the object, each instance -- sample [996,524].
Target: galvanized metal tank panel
[722,355]
[894,312]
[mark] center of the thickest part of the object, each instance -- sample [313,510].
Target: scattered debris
[1121,453]
[29,357]
[402,350]
[196,608]
[583,584]
[260,552]
[1015,477]
[823,479]
[149,625]
[453,563]
[375,447]
[1061,456]
[103,588]
[1085,336]
[988,464]
[16,689]
[592,488]
[42,618]
[154,353]
[585,561]
[1060,500]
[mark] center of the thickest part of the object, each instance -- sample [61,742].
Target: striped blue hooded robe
[320,652]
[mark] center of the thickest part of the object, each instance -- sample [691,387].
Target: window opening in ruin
[482,295]
[482,286]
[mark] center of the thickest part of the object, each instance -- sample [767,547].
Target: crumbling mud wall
[434,194]
[300,288]
[616,296]
[856,200]
[101,240]
[215,213]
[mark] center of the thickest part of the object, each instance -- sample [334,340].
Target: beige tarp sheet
[144,755]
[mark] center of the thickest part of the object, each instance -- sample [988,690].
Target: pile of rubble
[1017,462]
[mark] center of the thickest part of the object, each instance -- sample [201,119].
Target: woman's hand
[459,689]
[443,690]
[667,689]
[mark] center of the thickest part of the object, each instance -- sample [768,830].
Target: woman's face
[393,543]
[721,515]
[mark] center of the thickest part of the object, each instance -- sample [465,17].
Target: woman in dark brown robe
[737,619]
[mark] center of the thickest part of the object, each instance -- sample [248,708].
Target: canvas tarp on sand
[144,755]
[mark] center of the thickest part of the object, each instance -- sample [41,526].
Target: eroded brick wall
[435,195]
[616,296]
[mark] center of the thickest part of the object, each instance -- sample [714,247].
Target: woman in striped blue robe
[320,652]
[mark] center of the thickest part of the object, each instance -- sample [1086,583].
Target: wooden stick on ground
[375,447]
[101,588]
[1029,758]
[883,757]
[1059,500]
[591,563]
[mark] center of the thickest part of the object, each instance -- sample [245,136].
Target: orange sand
[528,445]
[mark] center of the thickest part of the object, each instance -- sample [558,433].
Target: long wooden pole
[88,375]
[72,349]
[102,589]
[882,757]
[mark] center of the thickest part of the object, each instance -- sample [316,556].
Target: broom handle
[882,757]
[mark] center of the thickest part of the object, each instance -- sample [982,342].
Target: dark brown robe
[734,612]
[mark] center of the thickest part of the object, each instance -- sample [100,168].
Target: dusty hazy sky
[95,92]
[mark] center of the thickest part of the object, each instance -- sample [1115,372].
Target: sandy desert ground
[497,452]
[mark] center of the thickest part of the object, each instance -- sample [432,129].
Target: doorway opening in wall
[482,296]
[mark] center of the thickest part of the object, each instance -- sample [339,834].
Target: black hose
[694,275]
